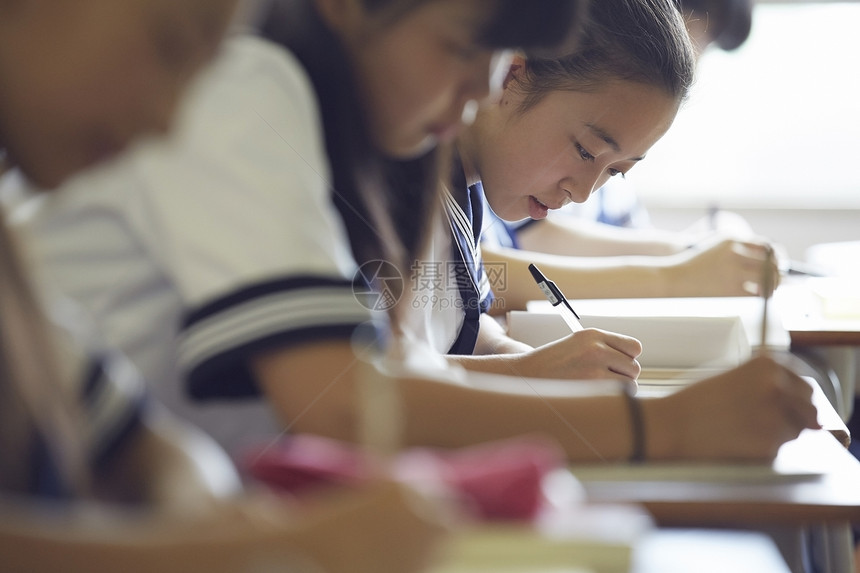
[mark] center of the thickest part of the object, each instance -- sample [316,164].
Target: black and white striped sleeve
[219,337]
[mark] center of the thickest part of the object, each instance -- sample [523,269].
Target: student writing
[597,260]
[78,81]
[263,273]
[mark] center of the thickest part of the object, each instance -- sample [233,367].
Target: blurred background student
[79,80]
[605,247]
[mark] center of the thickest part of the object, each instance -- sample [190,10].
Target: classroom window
[774,124]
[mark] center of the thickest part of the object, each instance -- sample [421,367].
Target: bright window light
[774,124]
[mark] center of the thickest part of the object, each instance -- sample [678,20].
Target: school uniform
[464,210]
[196,254]
[112,401]
[103,386]
[449,288]
[500,233]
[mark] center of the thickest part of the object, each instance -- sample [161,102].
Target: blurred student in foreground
[90,480]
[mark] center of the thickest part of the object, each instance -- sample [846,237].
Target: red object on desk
[497,480]
[301,463]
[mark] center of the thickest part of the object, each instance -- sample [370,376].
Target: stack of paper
[598,539]
[839,299]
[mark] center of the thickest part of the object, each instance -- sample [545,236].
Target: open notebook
[675,348]
[748,309]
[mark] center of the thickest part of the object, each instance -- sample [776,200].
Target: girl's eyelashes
[585,155]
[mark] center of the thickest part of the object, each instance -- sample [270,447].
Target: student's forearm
[457,409]
[590,239]
[379,526]
[317,390]
[495,352]
[592,428]
[113,542]
[493,340]
[579,277]
[503,364]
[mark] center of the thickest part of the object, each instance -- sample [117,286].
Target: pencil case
[500,480]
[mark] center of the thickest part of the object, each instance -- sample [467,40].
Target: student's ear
[518,64]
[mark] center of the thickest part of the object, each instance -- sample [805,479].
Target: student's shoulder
[255,55]
[249,67]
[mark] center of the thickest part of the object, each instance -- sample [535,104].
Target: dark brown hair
[642,41]
[728,22]
[385,203]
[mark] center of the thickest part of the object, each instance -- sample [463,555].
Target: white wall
[771,130]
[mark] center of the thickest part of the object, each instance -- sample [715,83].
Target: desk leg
[832,548]
[844,360]
[794,545]
[837,368]
[820,548]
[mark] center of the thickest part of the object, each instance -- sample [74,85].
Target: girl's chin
[513,216]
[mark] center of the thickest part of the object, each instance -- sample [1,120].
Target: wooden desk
[812,509]
[805,322]
[832,342]
[823,506]
[832,497]
[657,551]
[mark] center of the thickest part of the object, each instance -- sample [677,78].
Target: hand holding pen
[590,353]
[767,288]
[556,298]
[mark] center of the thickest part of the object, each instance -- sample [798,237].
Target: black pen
[766,293]
[805,269]
[556,297]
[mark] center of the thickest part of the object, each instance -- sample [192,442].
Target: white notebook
[672,345]
[748,308]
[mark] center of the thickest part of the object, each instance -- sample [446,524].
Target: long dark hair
[729,22]
[642,41]
[385,203]
[35,408]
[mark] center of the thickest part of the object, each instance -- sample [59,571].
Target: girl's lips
[537,210]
